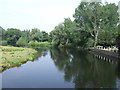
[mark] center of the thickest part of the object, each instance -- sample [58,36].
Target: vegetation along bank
[13,56]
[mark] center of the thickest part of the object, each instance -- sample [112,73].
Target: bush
[3,43]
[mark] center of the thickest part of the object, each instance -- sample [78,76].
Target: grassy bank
[37,45]
[13,56]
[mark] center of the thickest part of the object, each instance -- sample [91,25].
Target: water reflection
[84,69]
[64,68]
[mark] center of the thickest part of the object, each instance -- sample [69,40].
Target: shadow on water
[84,69]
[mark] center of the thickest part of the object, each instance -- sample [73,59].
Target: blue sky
[42,14]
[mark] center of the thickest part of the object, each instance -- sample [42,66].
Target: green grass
[40,44]
[13,56]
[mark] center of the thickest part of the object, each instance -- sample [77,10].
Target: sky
[42,14]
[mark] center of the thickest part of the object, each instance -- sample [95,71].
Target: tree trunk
[96,38]
[67,42]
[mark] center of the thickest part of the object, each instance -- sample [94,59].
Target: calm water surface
[63,68]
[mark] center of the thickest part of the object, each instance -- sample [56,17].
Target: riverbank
[13,56]
[39,45]
[105,53]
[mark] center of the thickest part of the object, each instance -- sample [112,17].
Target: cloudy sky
[42,14]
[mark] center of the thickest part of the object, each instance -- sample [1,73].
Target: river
[63,68]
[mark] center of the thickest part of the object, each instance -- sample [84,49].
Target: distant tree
[2,33]
[44,36]
[12,35]
[22,42]
[35,34]
[38,35]
[27,34]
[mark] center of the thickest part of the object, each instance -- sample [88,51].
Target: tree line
[16,37]
[94,24]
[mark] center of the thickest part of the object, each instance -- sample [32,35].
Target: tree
[27,34]
[63,34]
[22,42]
[2,33]
[108,35]
[93,18]
[2,36]
[38,35]
[44,36]
[12,35]
[118,38]
[57,35]
[70,30]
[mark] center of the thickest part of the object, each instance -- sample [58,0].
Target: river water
[64,68]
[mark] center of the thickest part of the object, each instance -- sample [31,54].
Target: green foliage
[63,34]
[98,20]
[27,34]
[118,38]
[15,37]
[22,42]
[2,33]
[90,43]
[39,44]
[38,35]
[3,43]
[12,35]
[33,44]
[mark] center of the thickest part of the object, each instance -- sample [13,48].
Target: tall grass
[11,56]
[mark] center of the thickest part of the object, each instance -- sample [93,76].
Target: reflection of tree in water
[40,52]
[118,66]
[60,57]
[118,69]
[84,69]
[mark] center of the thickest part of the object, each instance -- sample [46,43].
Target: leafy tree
[2,36]
[70,30]
[22,42]
[118,38]
[63,34]
[27,34]
[57,35]
[38,35]
[108,35]
[93,18]
[45,36]
[2,33]
[12,35]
